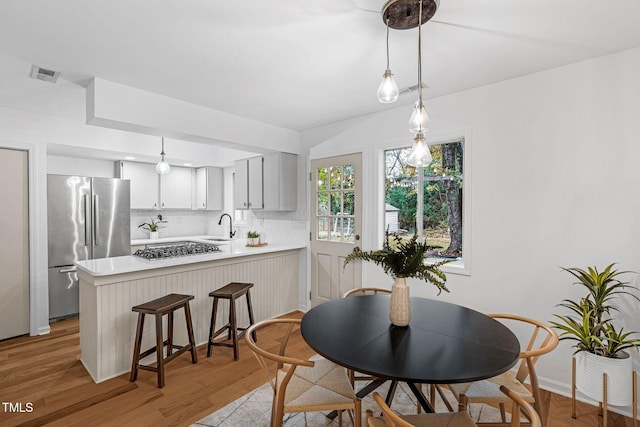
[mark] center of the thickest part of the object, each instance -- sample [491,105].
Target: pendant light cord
[387,43]
[419,53]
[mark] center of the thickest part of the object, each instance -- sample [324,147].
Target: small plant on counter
[153,225]
[253,238]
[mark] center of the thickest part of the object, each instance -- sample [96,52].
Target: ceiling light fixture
[388,90]
[401,15]
[163,167]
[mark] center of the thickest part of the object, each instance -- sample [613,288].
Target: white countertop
[131,263]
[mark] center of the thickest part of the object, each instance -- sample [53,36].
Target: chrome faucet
[231,232]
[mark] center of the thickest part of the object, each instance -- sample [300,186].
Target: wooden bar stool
[159,307]
[230,292]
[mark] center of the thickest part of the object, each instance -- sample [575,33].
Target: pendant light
[163,167]
[402,15]
[419,121]
[420,155]
[388,90]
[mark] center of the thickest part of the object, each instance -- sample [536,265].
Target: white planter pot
[589,379]
[253,241]
[400,308]
[153,235]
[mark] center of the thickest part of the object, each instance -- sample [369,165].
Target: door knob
[357,237]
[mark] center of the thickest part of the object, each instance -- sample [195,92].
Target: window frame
[463,265]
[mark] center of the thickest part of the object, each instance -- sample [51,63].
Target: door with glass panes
[336,213]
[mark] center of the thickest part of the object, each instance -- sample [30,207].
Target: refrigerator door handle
[68,270]
[85,202]
[96,220]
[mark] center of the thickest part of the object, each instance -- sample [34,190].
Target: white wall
[554,183]
[58,165]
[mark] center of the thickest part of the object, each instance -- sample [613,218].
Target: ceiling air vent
[411,89]
[44,74]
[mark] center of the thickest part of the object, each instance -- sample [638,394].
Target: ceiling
[299,64]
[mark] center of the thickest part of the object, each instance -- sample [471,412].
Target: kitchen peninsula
[109,287]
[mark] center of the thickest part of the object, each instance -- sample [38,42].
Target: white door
[336,212]
[14,246]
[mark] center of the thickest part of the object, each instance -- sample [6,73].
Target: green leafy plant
[153,225]
[590,321]
[400,258]
[253,234]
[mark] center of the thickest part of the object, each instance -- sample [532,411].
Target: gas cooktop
[178,249]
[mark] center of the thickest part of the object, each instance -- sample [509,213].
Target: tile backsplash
[278,227]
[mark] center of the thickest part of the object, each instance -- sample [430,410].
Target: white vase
[589,378]
[153,235]
[400,308]
[253,241]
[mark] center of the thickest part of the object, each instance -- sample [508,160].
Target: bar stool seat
[159,307]
[231,292]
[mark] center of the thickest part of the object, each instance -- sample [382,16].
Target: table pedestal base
[417,391]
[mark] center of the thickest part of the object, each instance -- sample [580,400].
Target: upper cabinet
[144,183]
[175,188]
[209,188]
[267,182]
[152,191]
[241,185]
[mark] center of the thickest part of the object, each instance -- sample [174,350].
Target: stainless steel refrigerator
[87,218]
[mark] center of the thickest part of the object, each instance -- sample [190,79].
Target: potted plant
[253,238]
[401,260]
[600,346]
[153,226]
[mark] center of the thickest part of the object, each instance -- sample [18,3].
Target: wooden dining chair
[301,385]
[448,419]
[354,376]
[366,291]
[542,340]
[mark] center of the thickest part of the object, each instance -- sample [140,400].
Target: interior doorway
[14,246]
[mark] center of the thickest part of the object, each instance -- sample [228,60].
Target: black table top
[444,343]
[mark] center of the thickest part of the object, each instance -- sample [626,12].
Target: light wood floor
[46,372]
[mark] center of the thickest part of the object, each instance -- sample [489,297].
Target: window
[442,219]
[335,203]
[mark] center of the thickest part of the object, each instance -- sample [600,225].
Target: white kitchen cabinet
[241,184]
[267,182]
[144,183]
[152,191]
[175,188]
[255,179]
[209,188]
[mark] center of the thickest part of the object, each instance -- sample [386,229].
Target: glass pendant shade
[162,167]
[419,121]
[420,155]
[388,90]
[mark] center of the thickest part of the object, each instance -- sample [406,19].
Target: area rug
[254,410]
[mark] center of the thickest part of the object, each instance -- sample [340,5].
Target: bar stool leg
[159,353]
[170,333]
[192,340]
[136,348]
[214,311]
[253,335]
[231,304]
[233,327]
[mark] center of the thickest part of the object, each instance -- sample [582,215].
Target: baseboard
[43,330]
[564,389]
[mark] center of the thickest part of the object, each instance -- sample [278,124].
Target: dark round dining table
[444,343]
